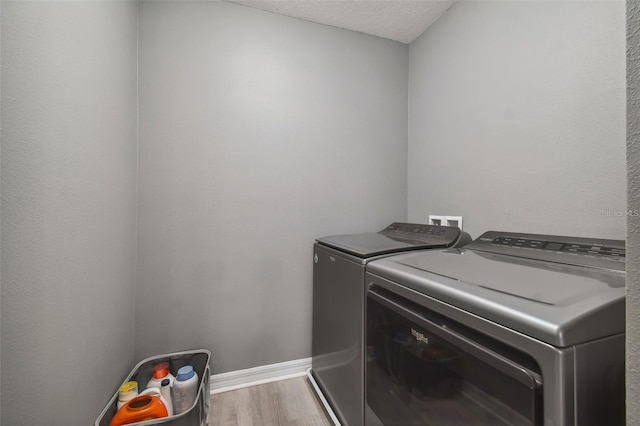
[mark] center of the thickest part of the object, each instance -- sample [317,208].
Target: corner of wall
[633,222]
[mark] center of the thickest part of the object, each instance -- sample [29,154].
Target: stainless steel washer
[512,329]
[338,306]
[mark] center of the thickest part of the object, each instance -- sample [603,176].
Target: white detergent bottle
[165,390]
[185,389]
[126,392]
[158,392]
[160,372]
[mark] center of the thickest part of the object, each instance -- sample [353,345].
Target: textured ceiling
[399,20]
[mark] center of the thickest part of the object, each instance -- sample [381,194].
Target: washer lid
[397,237]
[560,304]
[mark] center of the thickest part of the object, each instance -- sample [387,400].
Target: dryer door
[423,369]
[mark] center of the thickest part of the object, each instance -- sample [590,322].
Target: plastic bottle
[160,372]
[165,390]
[142,407]
[185,389]
[157,392]
[126,392]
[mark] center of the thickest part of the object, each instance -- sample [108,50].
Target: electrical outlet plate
[453,221]
[436,220]
[445,220]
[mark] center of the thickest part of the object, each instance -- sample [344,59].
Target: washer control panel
[592,249]
[415,228]
[592,252]
[421,233]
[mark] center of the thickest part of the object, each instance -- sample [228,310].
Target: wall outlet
[453,221]
[445,220]
[436,220]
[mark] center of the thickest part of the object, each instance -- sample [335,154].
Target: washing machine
[338,307]
[512,329]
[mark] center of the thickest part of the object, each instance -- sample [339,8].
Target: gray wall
[258,133]
[517,118]
[68,176]
[241,168]
[1,126]
[633,232]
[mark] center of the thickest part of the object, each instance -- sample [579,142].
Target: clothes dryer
[338,306]
[512,329]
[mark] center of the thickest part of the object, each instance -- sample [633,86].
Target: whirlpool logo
[419,336]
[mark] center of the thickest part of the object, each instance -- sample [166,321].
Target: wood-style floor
[290,402]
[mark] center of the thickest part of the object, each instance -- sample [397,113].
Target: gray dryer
[512,329]
[338,305]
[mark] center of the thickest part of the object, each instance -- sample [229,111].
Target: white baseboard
[258,375]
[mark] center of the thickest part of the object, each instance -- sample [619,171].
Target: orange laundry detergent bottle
[140,408]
